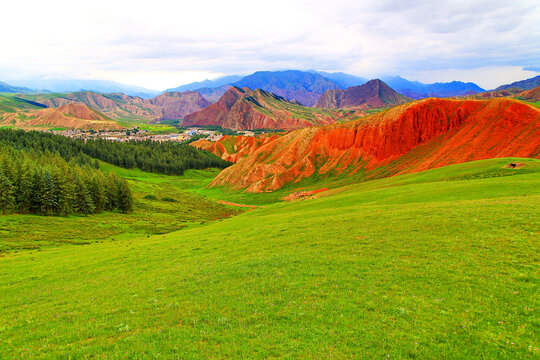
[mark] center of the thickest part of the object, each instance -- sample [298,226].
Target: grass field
[437,265]
[26,232]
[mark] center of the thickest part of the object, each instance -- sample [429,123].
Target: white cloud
[165,43]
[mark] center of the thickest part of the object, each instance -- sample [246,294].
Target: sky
[163,44]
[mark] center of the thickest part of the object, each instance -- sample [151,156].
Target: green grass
[536,104]
[440,264]
[187,209]
[11,103]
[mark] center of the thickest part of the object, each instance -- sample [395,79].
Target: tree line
[169,158]
[45,183]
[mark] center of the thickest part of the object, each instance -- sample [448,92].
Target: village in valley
[136,134]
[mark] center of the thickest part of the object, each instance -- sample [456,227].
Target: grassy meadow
[162,205]
[436,265]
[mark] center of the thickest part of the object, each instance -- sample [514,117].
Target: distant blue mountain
[209,84]
[101,86]
[4,87]
[304,87]
[307,86]
[523,84]
[342,79]
[417,90]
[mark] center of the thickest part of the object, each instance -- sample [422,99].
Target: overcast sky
[160,44]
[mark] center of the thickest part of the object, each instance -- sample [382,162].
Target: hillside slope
[176,105]
[373,94]
[130,108]
[434,265]
[233,148]
[73,116]
[413,137]
[526,84]
[245,109]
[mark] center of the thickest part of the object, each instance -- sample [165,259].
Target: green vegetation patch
[413,269]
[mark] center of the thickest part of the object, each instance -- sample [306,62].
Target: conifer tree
[83,203]
[125,198]
[50,195]
[7,198]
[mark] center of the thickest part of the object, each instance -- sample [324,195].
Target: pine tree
[50,196]
[36,194]
[65,190]
[125,198]
[83,203]
[7,198]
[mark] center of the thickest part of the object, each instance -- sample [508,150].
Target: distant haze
[164,44]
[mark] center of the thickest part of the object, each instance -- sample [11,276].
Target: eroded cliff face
[234,148]
[413,137]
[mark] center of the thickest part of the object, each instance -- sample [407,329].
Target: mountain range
[167,106]
[307,86]
[523,84]
[412,137]
[73,85]
[245,109]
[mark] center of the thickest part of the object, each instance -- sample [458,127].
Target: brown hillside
[176,105]
[532,95]
[124,107]
[373,94]
[413,137]
[73,116]
[245,109]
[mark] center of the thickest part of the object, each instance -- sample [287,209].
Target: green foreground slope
[408,267]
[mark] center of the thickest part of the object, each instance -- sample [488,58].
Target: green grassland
[10,103]
[150,216]
[440,264]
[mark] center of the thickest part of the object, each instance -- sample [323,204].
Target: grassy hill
[438,264]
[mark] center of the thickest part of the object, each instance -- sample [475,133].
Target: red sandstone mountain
[74,116]
[234,148]
[118,106]
[373,94]
[413,137]
[245,109]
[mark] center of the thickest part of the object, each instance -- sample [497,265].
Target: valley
[368,224]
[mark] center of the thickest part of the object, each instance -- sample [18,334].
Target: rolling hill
[241,108]
[129,108]
[73,116]
[432,265]
[413,137]
[373,94]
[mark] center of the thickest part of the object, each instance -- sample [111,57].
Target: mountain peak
[373,94]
